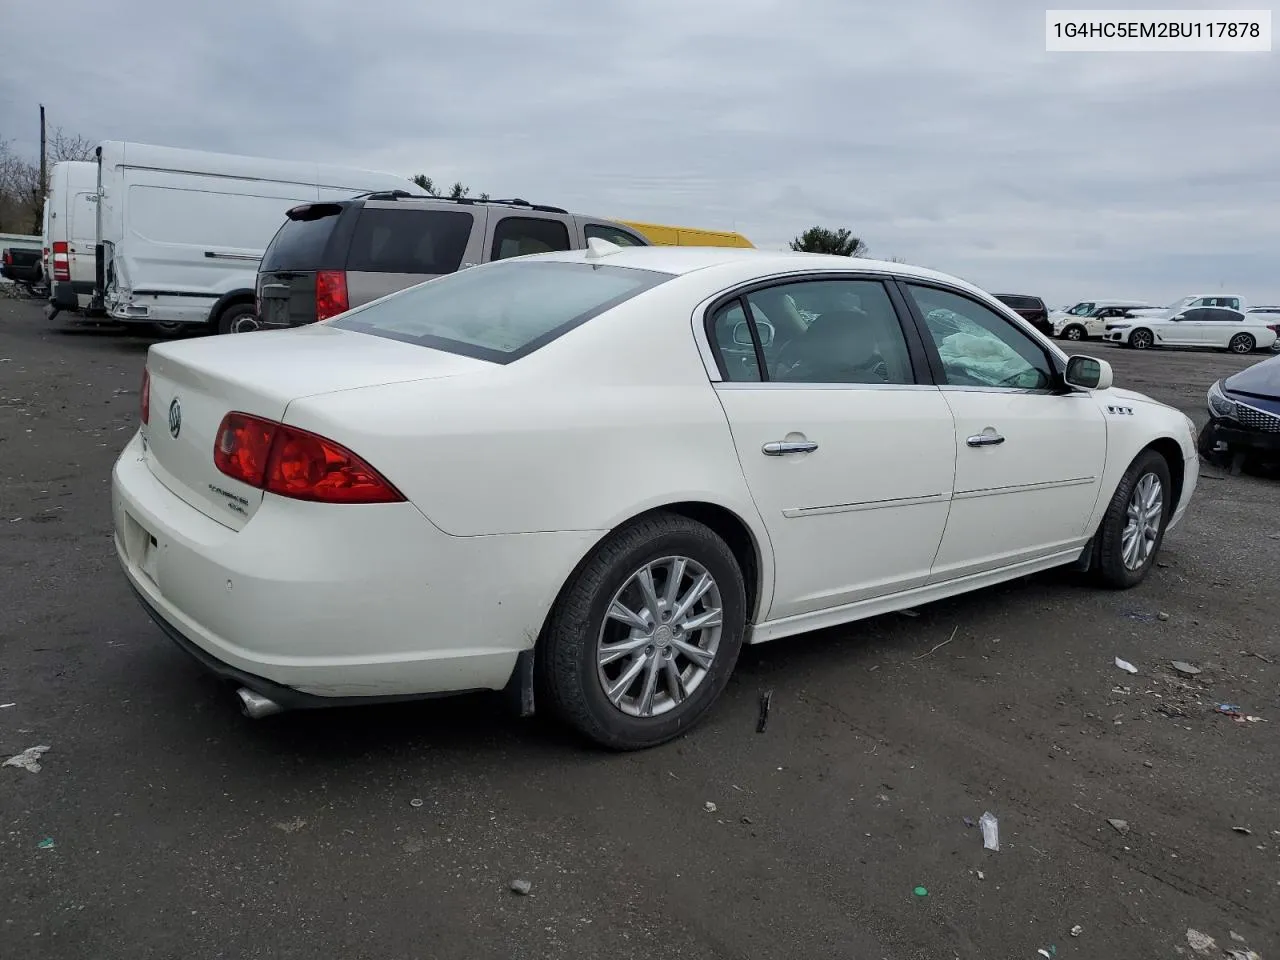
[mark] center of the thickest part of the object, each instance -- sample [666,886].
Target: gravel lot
[179,828]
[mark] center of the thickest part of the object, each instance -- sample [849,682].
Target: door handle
[985,440]
[780,448]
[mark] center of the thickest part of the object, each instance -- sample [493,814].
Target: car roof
[682,260]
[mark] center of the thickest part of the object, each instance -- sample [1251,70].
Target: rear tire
[1132,529]
[587,653]
[1242,343]
[1075,333]
[238,318]
[1142,339]
[169,330]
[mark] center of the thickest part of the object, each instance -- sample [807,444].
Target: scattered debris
[6,706]
[415,802]
[1126,666]
[766,700]
[1235,936]
[981,875]
[521,887]
[1243,955]
[921,892]
[1228,709]
[710,807]
[1121,826]
[1147,763]
[28,759]
[746,820]
[1077,930]
[46,843]
[1250,653]
[939,646]
[970,822]
[910,612]
[291,826]
[1186,669]
[1140,617]
[1201,943]
[1245,830]
[1162,616]
[990,831]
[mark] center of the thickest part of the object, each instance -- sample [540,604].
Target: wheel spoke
[710,618]
[650,687]
[644,579]
[700,587]
[675,682]
[623,683]
[674,579]
[620,611]
[703,658]
[609,652]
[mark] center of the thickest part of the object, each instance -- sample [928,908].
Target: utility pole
[44,176]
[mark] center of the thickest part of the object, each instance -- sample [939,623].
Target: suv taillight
[61,260]
[331,293]
[145,395]
[296,463]
[8,258]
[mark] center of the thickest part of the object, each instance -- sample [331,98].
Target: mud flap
[1083,562]
[519,689]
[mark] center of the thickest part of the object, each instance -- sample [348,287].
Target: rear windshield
[1019,303]
[409,241]
[502,311]
[299,244]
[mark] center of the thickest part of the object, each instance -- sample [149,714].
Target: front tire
[1142,339]
[1242,343]
[644,638]
[1074,333]
[1132,529]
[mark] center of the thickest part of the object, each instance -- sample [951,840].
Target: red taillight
[145,395]
[61,260]
[296,463]
[8,258]
[331,293]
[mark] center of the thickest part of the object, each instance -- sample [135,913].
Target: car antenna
[597,248]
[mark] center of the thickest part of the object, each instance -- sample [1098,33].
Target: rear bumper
[313,603]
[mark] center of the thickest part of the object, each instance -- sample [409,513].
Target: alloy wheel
[1142,521]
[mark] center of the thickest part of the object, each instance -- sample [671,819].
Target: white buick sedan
[593,475]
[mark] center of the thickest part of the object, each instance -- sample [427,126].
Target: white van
[71,234]
[181,231]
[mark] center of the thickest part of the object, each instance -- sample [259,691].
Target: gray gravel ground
[181,829]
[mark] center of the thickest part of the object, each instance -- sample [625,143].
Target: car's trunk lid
[194,384]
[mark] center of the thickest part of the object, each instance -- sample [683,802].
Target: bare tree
[21,191]
[65,146]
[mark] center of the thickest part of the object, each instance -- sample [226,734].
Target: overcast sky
[940,132]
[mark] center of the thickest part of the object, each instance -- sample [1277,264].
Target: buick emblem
[175,418]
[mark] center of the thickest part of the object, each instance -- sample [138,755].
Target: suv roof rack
[468,201]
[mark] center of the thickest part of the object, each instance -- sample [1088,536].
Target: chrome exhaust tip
[255,706]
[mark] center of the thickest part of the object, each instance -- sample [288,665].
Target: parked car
[180,232]
[1196,301]
[538,474]
[1215,327]
[330,257]
[22,265]
[1031,309]
[667,236]
[71,235]
[1091,323]
[1244,416]
[1271,315]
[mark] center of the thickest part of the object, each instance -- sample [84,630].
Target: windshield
[1081,309]
[502,311]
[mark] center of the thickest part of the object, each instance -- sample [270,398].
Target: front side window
[521,236]
[500,312]
[977,346]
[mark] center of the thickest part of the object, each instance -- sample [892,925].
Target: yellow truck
[666,236]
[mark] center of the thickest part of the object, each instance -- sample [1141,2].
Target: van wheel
[642,641]
[168,329]
[238,318]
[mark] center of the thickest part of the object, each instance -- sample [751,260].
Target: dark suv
[331,256]
[1029,308]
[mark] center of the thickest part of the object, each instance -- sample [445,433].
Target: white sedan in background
[1217,327]
[596,474]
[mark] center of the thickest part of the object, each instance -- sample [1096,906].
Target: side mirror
[1088,373]
[742,333]
[1180,316]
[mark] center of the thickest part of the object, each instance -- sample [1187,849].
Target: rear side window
[299,244]
[503,311]
[409,241]
[520,236]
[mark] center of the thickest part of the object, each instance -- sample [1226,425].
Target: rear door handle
[985,440]
[780,448]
